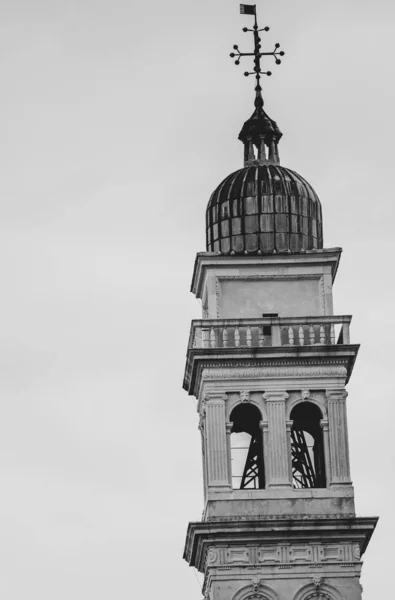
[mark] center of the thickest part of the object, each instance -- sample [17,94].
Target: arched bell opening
[246,448]
[307,447]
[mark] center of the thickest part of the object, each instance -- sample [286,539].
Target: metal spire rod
[251,9]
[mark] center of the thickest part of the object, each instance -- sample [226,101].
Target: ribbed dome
[263,209]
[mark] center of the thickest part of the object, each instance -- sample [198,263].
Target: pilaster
[216,439]
[338,438]
[325,433]
[278,474]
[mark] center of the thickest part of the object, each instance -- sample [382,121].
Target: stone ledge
[236,533]
[295,357]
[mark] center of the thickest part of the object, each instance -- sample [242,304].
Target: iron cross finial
[247,9]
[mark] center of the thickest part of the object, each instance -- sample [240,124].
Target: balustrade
[245,333]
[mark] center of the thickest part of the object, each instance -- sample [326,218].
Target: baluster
[225,337]
[205,338]
[212,338]
[333,335]
[346,333]
[291,335]
[237,337]
[312,335]
[249,336]
[261,337]
[301,335]
[322,335]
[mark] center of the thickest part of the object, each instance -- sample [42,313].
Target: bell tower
[269,363]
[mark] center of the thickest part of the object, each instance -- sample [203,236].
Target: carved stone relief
[280,554]
[245,396]
[202,417]
[255,583]
[212,557]
[317,582]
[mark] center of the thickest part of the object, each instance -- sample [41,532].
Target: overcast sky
[118,118]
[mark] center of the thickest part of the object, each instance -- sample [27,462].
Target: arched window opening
[307,447]
[246,448]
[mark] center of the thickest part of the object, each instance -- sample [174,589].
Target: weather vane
[250,9]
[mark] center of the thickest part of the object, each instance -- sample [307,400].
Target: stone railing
[273,331]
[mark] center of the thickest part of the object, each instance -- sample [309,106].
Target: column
[202,418]
[229,427]
[325,434]
[217,454]
[288,425]
[338,437]
[278,454]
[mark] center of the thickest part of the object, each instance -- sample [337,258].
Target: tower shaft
[269,364]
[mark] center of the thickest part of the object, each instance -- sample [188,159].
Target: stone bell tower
[269,363]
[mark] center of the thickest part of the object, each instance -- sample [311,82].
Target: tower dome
[263,208]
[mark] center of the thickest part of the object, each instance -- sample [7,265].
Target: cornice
[215,364]
[219,261]
[202,535]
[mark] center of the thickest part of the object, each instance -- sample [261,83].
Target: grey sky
[117,120]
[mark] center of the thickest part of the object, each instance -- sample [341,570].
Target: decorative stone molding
[318,595]
[314,555]
[245,396]
[284,517]
[323,592]
[291,405]
[269,554]
[262,592]
[254,372]
[234,400]
[238,556]
[305,394]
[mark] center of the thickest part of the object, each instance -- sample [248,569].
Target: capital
[324,424]
[288,425]
[275,396]
[215,397]
[336,394]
